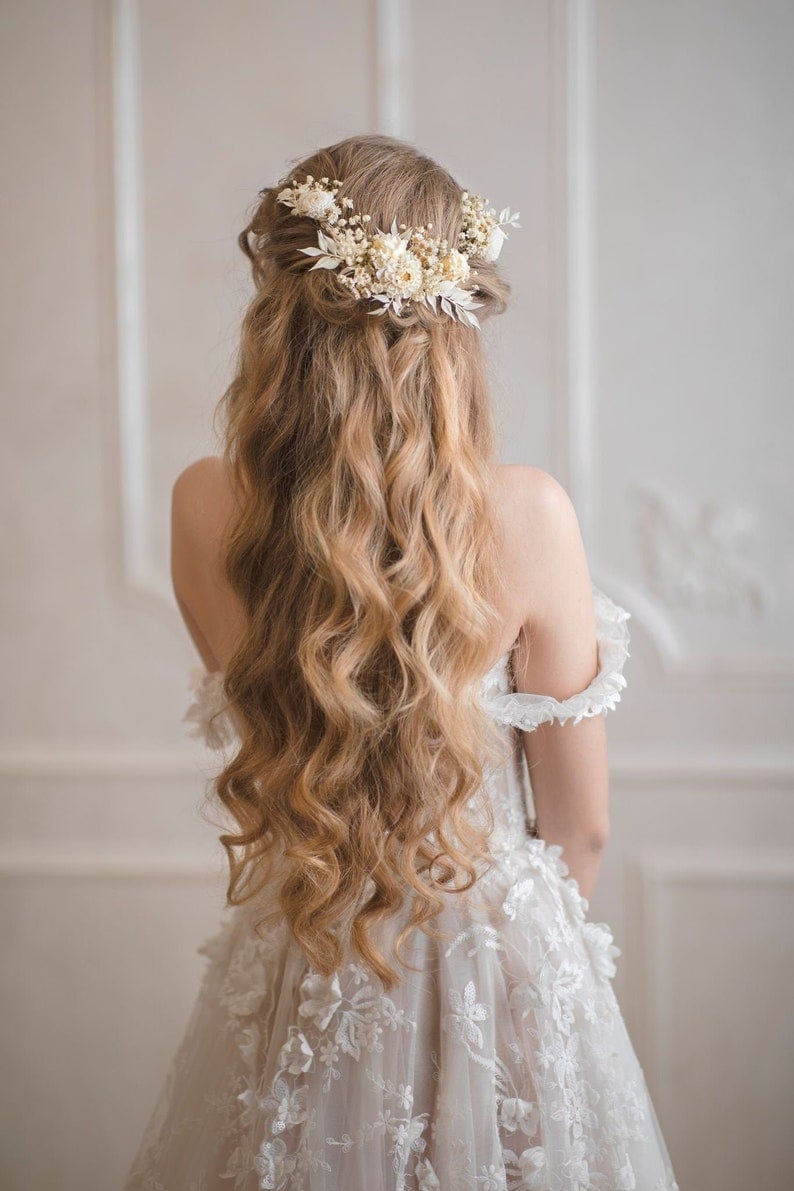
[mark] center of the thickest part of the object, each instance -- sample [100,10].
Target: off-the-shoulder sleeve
[528,711]
[206,715]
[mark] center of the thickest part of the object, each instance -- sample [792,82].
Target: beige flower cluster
[481,234]
[405,264]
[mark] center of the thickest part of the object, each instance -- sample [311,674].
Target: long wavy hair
[363,550]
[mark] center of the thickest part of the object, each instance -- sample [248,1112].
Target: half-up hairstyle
[364,552]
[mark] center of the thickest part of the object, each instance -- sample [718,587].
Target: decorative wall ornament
[701,557]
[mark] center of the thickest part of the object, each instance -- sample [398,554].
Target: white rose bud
[455,267]
[316,204]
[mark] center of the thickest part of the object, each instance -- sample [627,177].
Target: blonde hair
[364,553]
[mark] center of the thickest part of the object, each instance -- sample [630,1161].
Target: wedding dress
[502,1064]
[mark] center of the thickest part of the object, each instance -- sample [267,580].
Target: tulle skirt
[502,1063]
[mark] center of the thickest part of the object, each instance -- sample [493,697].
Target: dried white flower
[317,204]
[404,264]
[312,199]
[401,276]
[455,267]
[385,247]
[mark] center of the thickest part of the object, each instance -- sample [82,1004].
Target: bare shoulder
[536,511]
[530,494]
[202,494]
[202,503]
[542,543]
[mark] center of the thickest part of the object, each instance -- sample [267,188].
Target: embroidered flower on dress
[467,1011]
[287,1104]
[207,716]
[519,1114]
[598,940]
[407,1136]
[271,1162]
[296,1055]
[329,1052]
[520,892]
[532,1164]
[321,996]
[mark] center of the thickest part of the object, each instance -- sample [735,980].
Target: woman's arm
[558,656]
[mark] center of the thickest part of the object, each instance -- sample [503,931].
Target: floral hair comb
[405,264]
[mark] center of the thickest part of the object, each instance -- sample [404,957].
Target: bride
[405,670]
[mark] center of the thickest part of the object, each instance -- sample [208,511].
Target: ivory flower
[316,204]
[404,264]
[601,947]
[401,277]
[296,1055]
[532,1164]
[321,996]
[385,248]
[455,267]
[519,1114]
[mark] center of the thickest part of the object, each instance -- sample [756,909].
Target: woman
[408,992]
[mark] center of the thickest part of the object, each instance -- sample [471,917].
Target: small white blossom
[296,1055]
[368,1033]
[532,1164]
[321,996]
[313,200]
[288,1106]
[519,1114]
[316,204]
[601,949]
[455,267]
[270,1162]
[404,264]
[491,1178]
[466,1012]
[386,247]
[329,1052]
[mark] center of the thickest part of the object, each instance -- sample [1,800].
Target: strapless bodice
[508,786]
[524,710]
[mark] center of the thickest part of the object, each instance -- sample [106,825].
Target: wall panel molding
[128,447]
[651,769]
[576,396]
[649,880]
[392,58]
[107,865]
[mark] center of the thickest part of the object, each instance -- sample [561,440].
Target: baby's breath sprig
[405,264]
[482,233]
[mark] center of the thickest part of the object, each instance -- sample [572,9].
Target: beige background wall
[647,362]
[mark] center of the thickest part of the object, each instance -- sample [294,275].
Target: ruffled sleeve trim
[207,716]
[527,711]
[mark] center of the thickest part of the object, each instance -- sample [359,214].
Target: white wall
[647,362]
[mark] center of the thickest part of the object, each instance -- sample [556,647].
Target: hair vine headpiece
[405,264]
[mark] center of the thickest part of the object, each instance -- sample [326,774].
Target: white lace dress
[502,1064]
